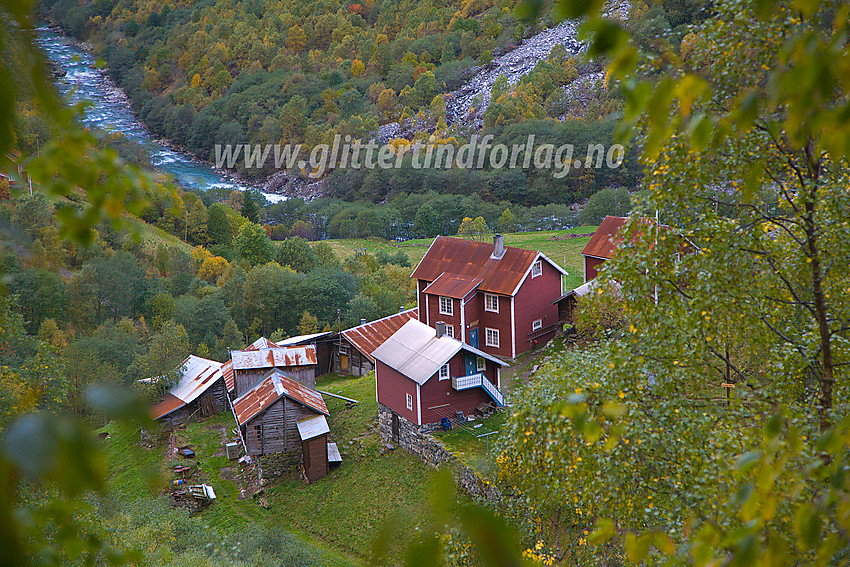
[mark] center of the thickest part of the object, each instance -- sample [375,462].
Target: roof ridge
[381,319]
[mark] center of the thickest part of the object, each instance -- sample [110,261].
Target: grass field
[370,491]
[337,518]
[561,249]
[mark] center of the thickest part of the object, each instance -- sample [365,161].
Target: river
[110,111]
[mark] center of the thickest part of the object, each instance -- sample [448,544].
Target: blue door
[471,364]
[473,337]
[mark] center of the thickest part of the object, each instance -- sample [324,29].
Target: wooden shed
[314,446]
[321,341]
[269,412]
[251,366]
[200,391]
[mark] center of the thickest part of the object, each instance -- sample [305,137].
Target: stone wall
[276,464]
[417,439]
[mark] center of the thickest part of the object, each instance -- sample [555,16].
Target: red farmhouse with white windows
[423,375]
[492,297]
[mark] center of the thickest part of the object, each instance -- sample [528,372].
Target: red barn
[602,245]
[423,375]
[492,297]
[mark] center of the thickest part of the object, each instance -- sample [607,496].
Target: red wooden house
[424,375]
[492,297]
[601,246]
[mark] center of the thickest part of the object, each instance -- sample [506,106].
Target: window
[446,306]
[491,302]
[537,268]
[480,364]
[343,349]
[538,324]
[450,331]
[444,372]
[409,402]
[491,337]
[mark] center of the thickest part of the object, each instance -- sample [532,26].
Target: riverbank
[79,77]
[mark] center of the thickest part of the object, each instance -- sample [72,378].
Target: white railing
[478,380]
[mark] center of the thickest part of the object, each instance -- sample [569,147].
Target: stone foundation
[278,464]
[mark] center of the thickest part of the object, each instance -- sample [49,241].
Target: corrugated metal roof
[262,342]
[229,378]
[586,288]
[314,426]
[280,357]
[415,351]
[196,376]
[369,336]
[269,390]
[166,406]
[227,367]
[473,259]
[302,339]
[604,240]
[452,285]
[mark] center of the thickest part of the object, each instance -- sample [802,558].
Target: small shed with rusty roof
[250,366]
[352,349]
[269,412]
[200,391]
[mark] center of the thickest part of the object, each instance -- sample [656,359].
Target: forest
[696,412]
[256,72]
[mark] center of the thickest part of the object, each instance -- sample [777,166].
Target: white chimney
[441,328]
[498,247]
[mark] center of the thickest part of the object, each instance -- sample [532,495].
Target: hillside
[561,246]
[293,72]
[332,522]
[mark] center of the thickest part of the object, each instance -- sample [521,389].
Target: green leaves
[50,448]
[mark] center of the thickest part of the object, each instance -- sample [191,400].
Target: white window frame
[343,349]
[495,333]
[536,325]
[446,306]
[409,402]
[444,372]
[480,364]
[536,268]
[450,331]
[487,298]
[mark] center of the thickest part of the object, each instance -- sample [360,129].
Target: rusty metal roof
[227,372]
[196,376]
[280,357]
[471,259]
[605,239]
[369,336]
[166,406]
[262,342]
[269,390]
[227,368]
[452,285]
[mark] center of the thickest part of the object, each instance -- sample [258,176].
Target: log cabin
[269,412]
[200,391]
